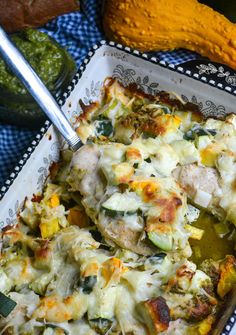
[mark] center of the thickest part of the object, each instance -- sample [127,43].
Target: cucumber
[162,241]
[121,204]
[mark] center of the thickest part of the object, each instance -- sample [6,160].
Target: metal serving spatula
[24,72]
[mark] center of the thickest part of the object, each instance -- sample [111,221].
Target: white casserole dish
[211,86]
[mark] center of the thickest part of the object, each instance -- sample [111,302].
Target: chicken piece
[86,158]
[202,185]
[118,232]
[193,177]
[84,175]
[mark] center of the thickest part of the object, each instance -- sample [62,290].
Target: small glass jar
[17,106]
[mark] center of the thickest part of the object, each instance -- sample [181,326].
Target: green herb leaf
[148,160]
[194,132]
[88,284]
[105,128]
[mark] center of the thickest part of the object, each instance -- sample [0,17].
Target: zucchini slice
[6,305]
[191,134]
[155,259]
[121,204]
[88,283]
[104,127]
[162,241]
[101,325]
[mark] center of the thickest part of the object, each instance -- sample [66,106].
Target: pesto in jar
[45,57]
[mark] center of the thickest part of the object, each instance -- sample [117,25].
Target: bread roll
[19,14]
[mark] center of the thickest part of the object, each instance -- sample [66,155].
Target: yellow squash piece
[166,25]
[54,308]
[195,233]
[210,154]
[227,276]
[122,172]
[49,227]
[112,269]
[78,217]
[155,314]
[204,327]
[54,201]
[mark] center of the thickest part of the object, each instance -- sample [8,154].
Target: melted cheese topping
[127,243]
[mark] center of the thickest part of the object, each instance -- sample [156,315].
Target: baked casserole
[134,233]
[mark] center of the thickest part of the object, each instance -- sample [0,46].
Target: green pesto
[44,56]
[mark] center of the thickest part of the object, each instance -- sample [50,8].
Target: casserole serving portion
[120,239]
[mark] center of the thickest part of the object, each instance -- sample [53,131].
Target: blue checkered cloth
[77,32]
